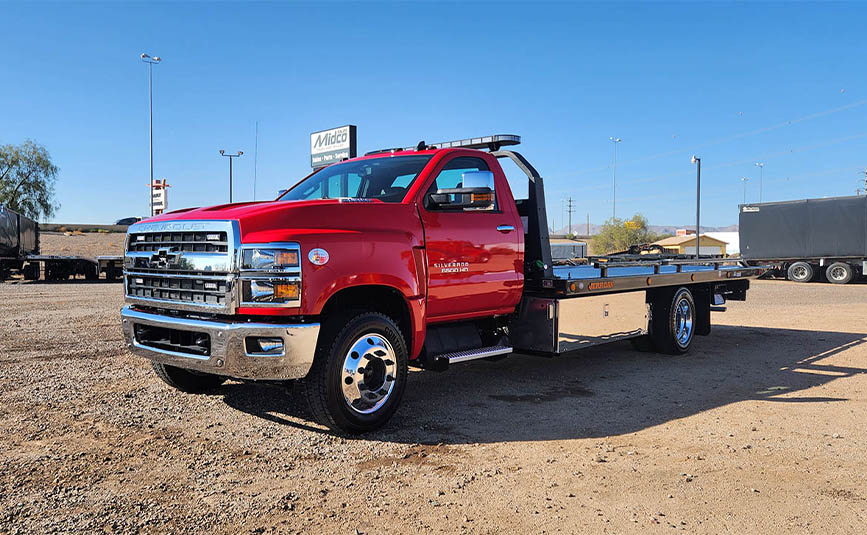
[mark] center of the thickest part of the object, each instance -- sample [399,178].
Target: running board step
[473,354]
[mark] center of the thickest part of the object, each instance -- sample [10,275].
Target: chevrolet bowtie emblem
[163,258]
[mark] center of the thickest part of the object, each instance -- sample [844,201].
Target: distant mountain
[581,229]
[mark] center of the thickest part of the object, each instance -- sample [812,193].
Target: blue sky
[735,83]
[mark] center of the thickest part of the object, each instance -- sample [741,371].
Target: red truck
[403,257]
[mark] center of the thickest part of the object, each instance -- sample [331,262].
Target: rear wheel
[800,272]
[839,273]
[674,322]
[185,380]
[359,373]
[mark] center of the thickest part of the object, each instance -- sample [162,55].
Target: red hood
[271,221]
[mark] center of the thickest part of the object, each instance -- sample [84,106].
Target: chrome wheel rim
[838,273]
[800,272]
[369,373]
[683,321]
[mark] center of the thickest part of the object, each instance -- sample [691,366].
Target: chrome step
[473,354]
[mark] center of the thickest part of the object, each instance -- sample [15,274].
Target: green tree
[27,179]
[618,235]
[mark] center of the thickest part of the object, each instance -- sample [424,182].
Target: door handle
[505,228]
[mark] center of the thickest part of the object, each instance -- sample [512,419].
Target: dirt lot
[91,244]
[761,429]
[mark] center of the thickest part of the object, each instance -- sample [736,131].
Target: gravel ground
[91,244]
[760,429]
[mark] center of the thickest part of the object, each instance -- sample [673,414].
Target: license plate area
[193,343]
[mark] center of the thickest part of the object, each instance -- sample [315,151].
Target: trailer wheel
[187,381]
[674,322]
[800,272]
[31,271]
[359,373]
[840,273]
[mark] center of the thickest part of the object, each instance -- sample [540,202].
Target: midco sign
[333,145]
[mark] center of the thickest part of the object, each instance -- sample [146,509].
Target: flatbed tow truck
[414,256]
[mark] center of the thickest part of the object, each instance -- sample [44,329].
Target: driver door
[473,254]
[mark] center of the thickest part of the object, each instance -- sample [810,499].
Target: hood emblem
[318,257]
[164,257]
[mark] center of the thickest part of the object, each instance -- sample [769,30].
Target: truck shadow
[600,391]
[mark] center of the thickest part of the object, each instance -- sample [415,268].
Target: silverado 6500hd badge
[453,267]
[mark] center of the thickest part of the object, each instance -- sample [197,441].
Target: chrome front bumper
[228,354]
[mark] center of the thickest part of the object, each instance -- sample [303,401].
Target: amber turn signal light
[286,290]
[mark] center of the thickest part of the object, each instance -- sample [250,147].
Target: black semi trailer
[807,239]
[19,252]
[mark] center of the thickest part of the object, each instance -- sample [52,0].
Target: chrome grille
[190,289]
[184,265]
[200,242]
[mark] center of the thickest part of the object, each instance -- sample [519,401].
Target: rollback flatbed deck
[609,298]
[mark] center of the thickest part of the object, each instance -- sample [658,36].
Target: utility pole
[697,207]
[230,157]
[745,180]
[151,61]
[588,223]
[615,141]
[761,167]
[570,215]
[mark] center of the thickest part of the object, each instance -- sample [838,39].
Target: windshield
[386,179]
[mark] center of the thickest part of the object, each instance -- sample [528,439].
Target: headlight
[269,259]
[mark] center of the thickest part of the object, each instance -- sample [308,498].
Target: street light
[151,61]
[761,167]
[697,162]
[615,141]
[745,180]
[230,157]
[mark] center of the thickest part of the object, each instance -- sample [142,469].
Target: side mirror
[476,191]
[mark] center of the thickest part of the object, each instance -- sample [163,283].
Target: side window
[452,174]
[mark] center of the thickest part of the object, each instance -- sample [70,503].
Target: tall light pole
[761,167]
[615,141]
[151,61]
[697,162]
[745,180]
[230,157]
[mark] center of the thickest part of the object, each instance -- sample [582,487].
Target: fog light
[264,346]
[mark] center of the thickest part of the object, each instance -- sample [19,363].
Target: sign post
[159,196]
[332,145]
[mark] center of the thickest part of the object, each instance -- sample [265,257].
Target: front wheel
[359,373]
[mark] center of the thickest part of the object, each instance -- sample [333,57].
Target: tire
[359,373]
[674,322]
[840,273]
[31,271]
[187,381]
[800,272]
